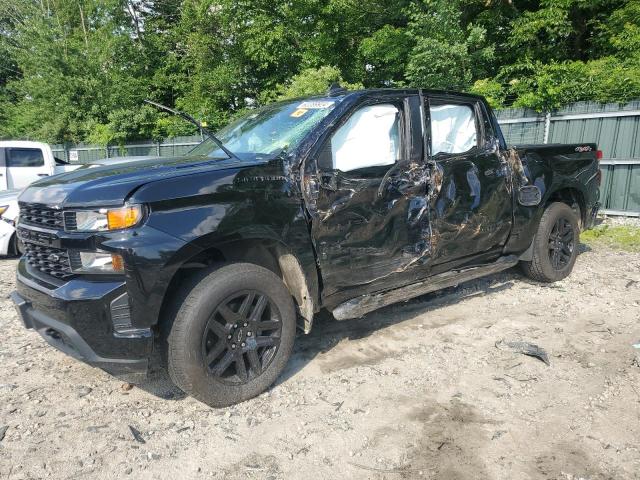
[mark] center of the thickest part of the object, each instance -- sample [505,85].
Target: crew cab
[347,202]
[23,162]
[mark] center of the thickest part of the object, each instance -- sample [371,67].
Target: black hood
[107,185]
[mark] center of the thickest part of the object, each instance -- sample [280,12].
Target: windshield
[268,130]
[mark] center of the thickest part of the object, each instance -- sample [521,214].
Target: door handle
[329,181]
[43,174]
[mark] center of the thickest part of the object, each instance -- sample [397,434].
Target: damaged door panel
[471,210]
[370,218]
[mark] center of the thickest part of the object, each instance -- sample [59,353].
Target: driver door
[370,215]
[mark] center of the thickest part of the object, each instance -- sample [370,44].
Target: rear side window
[453,128]
[24,157]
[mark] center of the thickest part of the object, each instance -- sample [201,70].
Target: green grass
[620,237]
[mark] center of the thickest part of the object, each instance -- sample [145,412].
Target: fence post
[547,127]
[158,148]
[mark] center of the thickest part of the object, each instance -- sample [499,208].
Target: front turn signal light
[124,217]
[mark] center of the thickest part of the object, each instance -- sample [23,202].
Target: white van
[23,162]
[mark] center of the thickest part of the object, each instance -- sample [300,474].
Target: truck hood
[111,184]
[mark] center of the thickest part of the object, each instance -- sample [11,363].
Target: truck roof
[22,144]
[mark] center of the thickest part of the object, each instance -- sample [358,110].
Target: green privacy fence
[615,128]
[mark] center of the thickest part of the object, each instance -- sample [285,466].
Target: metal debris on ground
[525,348]
[137,435]
[3,431]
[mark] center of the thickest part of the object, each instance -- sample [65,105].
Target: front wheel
[555,246]
[232,336]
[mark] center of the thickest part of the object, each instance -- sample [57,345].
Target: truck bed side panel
[552,168]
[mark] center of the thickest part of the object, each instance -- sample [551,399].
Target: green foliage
[312,81]
[490,89]
[447,54]
[75,71]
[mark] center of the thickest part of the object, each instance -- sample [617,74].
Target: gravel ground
[417,390]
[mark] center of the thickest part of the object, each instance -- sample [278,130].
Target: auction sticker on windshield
[316,104]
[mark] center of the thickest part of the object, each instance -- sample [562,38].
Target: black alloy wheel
[555,245]
[241,337]
[561,243]
[230,333]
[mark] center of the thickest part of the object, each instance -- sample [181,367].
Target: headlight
[104,219]
[96,262]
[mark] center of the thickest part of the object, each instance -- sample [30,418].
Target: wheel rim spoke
[241,368]
[217,328]
[216,351]
[246,303]
[223,364]
[261,304]
[268,325]
[229,315]
[265,341]
[254,362]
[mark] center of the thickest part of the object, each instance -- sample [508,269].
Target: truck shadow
[327,332]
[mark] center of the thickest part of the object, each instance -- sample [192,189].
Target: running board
[360,306]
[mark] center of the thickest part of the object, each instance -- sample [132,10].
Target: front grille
[41,216]
[52,261]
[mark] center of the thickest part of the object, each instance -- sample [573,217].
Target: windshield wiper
[192,120]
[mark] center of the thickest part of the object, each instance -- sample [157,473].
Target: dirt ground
[417,390]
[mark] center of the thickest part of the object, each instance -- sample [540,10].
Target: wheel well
[572,197]
[266,254]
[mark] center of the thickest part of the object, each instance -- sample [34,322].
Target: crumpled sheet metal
[392,211]
[360,306]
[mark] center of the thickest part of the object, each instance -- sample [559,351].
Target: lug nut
[233,345]
[245,324]
[249,334]
[244,344]
[235,326]
[228,337]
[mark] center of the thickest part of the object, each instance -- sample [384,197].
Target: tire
[15,247]
[555,246]
[210,331]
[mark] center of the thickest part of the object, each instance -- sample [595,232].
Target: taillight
[599,155]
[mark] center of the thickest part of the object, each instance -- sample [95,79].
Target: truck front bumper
[75,318]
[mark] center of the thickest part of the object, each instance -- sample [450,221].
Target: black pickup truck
[348,202]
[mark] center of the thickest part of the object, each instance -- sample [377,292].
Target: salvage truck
[349,202]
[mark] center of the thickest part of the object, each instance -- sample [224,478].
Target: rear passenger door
[24,166]
[472,204]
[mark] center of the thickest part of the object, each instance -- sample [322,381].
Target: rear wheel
[232,335]
[555,245]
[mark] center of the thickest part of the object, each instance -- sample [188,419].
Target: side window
[453,128]
[24,157]
[371,137]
